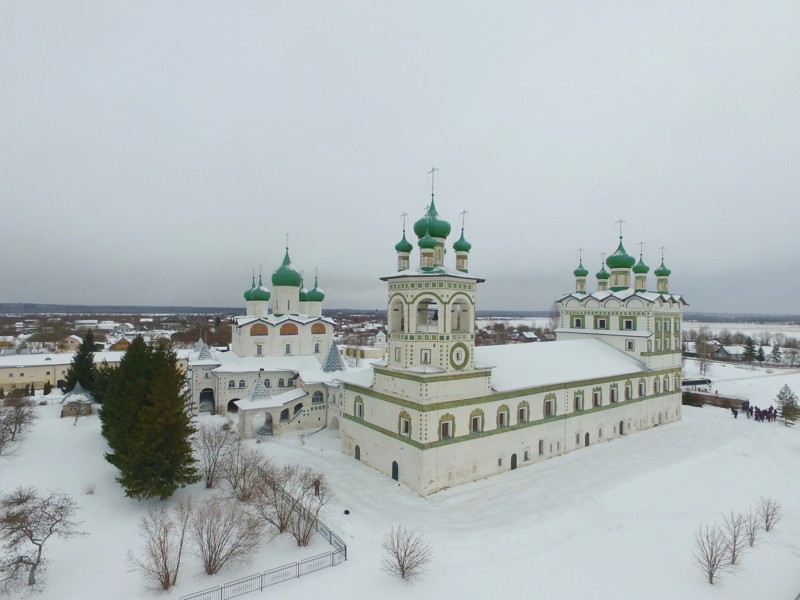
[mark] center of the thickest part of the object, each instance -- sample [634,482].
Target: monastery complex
[437,411]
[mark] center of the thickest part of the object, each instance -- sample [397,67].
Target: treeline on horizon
[21,308]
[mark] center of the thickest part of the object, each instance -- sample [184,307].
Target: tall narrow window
[259,350]
[475,424]
[425,357]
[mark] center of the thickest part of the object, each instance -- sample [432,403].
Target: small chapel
[439,411]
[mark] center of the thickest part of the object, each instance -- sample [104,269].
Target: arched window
[541,447]
[231,384]
[666,383]
[281,383]
[316,347]
[267,383]
[241,383]
[298,408]
[397,314]
[476,421]
[289,329]
[317,398]
[318,328]
[502,416]
[259,329]
[523,412]
[656,386]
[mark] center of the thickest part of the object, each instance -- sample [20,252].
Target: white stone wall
[468,459]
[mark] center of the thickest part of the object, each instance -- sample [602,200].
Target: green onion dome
[248,293]
[403,245]
[620,259]
[426,241]
[315,294]
[603,274]
[462,245]
[303,294]
[662,271]
[581,271]
[286,274]
[430,224]
[259,294]
[640,268]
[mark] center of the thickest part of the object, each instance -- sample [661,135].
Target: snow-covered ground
[613,520]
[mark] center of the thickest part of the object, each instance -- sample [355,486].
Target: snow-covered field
[613,520]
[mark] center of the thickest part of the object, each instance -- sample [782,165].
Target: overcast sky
[156,152]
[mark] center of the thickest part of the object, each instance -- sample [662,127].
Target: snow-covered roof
[434,271]
[77,394]
[61,358]
[623,295]
[271,401]
[273,320]
[518,366]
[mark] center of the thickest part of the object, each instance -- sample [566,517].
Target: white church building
[281,372]
[439,411]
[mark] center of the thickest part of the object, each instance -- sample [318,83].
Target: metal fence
[259,581]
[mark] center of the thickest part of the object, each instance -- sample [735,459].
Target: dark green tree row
[145,421]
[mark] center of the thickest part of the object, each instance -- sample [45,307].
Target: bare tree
[272,503]
[311,493]
[224,531]
[752,525]
[710,551]
[164,535]
[27,521]
[213,443]
[241,470]
[406,553]
[736,530]
[16,419]
[769,511]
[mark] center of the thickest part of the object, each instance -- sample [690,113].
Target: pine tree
[48,387]
[775,355]
[2,394]
[760,356]
[749,354]
[82,367]
[161,457]
[33,389]
[145,422]
[787,401]
[102,379]
[124,397]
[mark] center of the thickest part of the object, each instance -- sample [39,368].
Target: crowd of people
[759,414]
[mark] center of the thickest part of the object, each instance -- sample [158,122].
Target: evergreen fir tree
[775,355]
[82,367]
[33,389]
[749,354]
[144,421]
[48,387]
[161,457]
[123,399]
[102,379]
[787,401]
[2,394]
[760,356]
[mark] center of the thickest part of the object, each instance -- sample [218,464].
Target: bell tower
[431,313]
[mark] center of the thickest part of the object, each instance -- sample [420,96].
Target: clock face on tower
[459,356]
